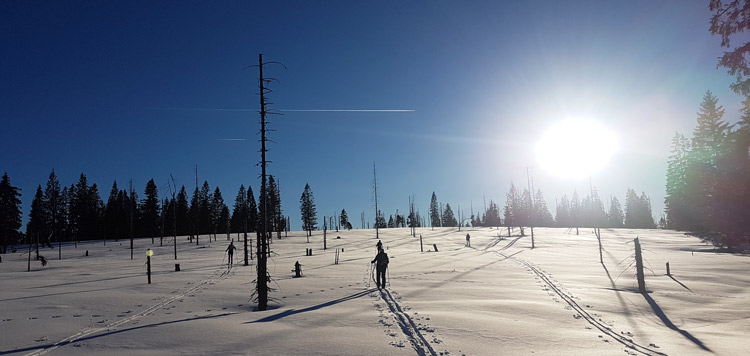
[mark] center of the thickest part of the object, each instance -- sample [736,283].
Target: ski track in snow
[86,333]
[582,313]
[411,330]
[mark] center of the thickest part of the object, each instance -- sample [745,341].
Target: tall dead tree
[375,192]
[264,234]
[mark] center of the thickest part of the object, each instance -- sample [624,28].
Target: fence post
[668,274]
[639,266]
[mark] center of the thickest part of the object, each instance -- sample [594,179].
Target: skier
[230,252]
[468,240]
[381,260]
[379,245]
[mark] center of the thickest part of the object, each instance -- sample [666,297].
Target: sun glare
[575,148]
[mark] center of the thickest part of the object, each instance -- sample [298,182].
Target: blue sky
[92,87]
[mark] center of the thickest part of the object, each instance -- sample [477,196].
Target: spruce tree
[492,217]
[217,208]
[150,210]
[434,211]
[253,216]
[616,216]
[184,220]
[239,211]
[10,213]
[53,211]
[562,213]
[36,227]
[677,210]
[307,210]
[204,209]
[449,219]
[111,213]
[344,220]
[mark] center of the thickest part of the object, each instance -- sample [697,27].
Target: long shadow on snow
[680,283]
[660,313]
[314,307]
[461,275]
[63,343]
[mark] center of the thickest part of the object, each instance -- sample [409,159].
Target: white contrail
[349,110]
[292,110]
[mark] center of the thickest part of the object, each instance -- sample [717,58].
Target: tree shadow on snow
[314,307]
[660,313]
[97,335]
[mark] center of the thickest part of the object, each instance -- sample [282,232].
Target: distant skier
[381,265]
[468,240]
[379,245]
[230,252]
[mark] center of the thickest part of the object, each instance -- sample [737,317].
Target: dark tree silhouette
[308,210]
[239,211]
[434,211]
[36,226]
[184,221]
[253,217]
[10,213]
[344,220]
[53,211]
[449,219]
[616,217]
[150,210]
[492,217]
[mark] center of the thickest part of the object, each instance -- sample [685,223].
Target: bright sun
[575,148]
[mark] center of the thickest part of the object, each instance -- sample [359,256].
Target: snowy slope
[498,297]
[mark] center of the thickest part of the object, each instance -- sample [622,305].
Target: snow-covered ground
[498,297]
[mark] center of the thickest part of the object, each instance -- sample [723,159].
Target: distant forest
[77,213]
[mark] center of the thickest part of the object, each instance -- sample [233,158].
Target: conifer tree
[541,215]
[111,213]
[10,213]
[344,220]
[562,212]
[616,216]
[492,217]
[217,208]
[253,216]
[449,219]
[239,211]
[205,219]
[307,210]
[184,221]
[53,211]
[150,210]
[434,211]
[37,225]
[677,210]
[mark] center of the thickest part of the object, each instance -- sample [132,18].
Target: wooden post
[639,267]
[598,233]
[324,233]
[532,237]
[668,274]
[421,247]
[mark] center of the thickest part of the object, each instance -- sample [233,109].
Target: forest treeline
[61,213]
[77,212]
[708,178]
